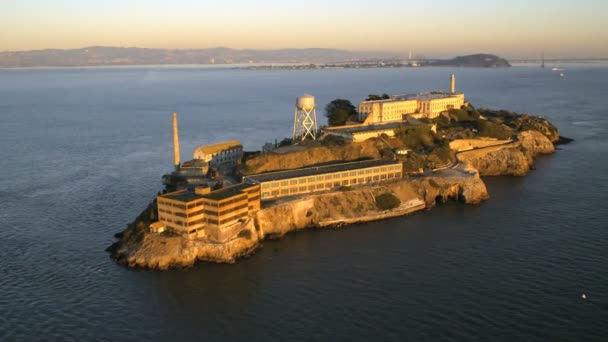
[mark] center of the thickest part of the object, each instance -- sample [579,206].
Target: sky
[513,29]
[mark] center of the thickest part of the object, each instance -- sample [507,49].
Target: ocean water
[83,149]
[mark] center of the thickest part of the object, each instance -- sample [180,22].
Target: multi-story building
[216,215]
[182,211]
[423,105]
[224,209]
[226,153]
[321,178]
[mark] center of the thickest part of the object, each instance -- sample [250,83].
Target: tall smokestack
[452,83]
[175,142]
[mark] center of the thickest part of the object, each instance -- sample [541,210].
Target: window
[284,183]
[293,182]
[302,180]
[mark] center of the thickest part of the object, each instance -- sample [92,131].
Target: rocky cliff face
[514,159]
[461,184]
[319,154]
[139,248]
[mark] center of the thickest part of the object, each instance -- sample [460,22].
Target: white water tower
[305,119]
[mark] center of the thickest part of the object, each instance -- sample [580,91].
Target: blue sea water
[83,149]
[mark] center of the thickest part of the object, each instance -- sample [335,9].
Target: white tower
[452,83]
[176,160]
[305,119]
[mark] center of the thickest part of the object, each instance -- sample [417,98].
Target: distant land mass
[107,56]
[477,60]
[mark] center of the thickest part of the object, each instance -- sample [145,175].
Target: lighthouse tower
[176,161]
[452,83]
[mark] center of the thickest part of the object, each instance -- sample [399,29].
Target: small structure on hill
[227,153]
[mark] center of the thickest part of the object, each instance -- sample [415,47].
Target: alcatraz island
[391,156]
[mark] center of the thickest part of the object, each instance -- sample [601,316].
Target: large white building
[422,105]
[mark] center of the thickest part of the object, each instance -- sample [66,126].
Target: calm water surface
[82,152]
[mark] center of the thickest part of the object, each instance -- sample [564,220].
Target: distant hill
[477,60]
[100,55]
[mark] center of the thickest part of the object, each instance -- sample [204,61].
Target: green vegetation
[442,153]
[339,111]
[465,114]
[387,201]
[416,137]
[374,97]
[486,128]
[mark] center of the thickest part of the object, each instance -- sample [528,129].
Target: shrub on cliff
[387,201]
[339,111]
[487,128]
[415,137]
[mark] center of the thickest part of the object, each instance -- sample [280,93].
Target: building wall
[230,156]
[362,136]
[329,181]
[393,110]
[207,217]
[182,217]
[432,108]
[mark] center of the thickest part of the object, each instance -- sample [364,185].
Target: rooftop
[214,148]
[407,120]
[182,195]
[310,171]
[228,192]
[218,195]
[432,95]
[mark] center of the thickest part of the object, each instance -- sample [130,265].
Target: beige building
[329,177]
[226,153]
[359,133]
[424,105]
[225,209]
[216,215]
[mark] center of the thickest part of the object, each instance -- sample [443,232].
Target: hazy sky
[514,28]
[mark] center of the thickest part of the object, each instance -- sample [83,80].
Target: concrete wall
[459,145]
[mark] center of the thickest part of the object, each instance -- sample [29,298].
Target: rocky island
[391,156]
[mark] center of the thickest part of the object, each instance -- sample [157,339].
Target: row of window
[331,176]
[328,186]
